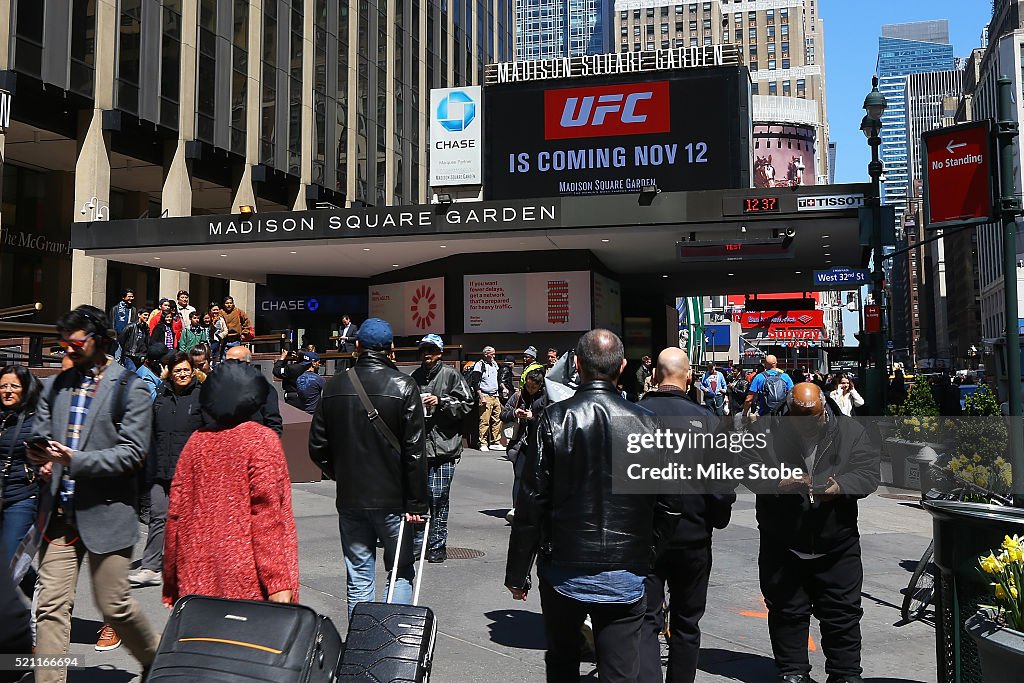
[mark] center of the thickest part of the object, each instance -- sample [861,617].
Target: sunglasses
[78,344]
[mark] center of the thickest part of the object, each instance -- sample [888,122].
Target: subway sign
[677,130]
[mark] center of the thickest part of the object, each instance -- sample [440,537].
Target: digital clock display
[760,205]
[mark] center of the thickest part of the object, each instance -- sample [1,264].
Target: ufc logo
[606,104]
[604,111]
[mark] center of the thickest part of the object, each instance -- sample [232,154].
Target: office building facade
[547,29]
[905,49]
[187,107]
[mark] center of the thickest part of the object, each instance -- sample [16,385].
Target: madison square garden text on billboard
[676,130]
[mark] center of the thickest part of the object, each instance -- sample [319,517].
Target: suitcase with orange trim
[214,640]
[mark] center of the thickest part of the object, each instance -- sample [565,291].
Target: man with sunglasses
[809,559]
[93,429]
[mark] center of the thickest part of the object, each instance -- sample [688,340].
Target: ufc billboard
[606,111]
[676,130]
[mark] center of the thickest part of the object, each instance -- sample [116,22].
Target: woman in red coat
[230,529]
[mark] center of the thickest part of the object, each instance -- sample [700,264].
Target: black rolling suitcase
[214,640]
[389,643]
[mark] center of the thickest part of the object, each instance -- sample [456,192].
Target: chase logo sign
[456,123]
[456,111]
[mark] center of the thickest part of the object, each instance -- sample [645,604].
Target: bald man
[270,414]
[810,559]
[685,561]
[768,389]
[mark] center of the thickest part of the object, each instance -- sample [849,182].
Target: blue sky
[851,48]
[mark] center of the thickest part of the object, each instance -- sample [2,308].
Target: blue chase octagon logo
[456,111]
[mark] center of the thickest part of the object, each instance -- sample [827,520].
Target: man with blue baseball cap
[447,399]
[378,462]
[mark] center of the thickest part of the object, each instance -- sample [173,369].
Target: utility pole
[1010,208]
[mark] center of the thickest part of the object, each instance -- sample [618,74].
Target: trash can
[925,458]
[963,532]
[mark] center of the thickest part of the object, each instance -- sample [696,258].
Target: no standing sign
[959,173]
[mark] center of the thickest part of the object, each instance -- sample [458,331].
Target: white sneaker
[141,578]
[510,515]
[496,447]
[588,637]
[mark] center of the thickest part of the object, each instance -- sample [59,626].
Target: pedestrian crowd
[200,433]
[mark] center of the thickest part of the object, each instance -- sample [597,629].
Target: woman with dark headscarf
[230,529]
[19,393]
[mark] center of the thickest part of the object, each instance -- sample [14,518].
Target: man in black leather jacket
[376,484]
[595,547]
[809,560]
[685,559]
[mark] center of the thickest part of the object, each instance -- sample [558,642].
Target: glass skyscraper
[563,28]
[905,49]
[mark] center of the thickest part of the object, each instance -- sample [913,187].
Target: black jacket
[566,509]
[288,372]
[18,484]
[175,417]
[844,452]
[370,474]
[699,513]
[269,414]
[506,381]
[520,399]
[134,340]
[443,442]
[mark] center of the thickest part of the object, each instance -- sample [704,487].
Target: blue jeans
[360,530]
[17,520]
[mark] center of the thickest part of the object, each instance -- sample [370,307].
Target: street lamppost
[871,126]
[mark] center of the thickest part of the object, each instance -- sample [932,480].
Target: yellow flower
[1013,592]
[1000,593]
[1014,555]
[990,565]
[976,458]
[1012,542]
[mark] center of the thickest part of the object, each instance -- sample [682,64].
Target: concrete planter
[1000,649]
[906,470]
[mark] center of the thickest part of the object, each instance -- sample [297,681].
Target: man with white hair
[485,378]
[810,560]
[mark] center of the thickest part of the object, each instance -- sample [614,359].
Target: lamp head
[869,126]
[874,103]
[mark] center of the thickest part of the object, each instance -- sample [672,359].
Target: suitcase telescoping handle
[398,555]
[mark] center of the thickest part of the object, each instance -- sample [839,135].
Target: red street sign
[872,319]
[959,168]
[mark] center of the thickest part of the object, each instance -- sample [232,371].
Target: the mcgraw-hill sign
[676,130]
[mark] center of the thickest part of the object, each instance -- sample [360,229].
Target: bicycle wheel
[921,588]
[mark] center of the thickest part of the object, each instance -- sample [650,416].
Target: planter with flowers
[998,629]
[917,425]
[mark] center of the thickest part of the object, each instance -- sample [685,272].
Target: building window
[83,43]
[785,63]
[773,88]
[787,87]
[771,64]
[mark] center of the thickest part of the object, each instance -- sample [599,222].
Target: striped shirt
[81,399]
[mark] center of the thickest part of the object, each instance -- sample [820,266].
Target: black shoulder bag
[372,413]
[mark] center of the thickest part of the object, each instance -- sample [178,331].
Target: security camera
[743,228]
[790,232]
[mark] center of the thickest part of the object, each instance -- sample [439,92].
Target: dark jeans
[687,572]
[715,403]
[617,630]
[829,588]
[17,520]
[153,555]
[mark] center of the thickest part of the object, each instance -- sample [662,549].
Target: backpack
[773,390]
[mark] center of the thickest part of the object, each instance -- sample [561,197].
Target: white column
[244,294]
[171,281]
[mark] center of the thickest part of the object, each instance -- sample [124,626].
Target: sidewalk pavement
[484,634]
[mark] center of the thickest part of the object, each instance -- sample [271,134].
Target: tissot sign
[676,130]
[959,171]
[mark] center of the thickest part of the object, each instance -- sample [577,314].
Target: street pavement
[484,635]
